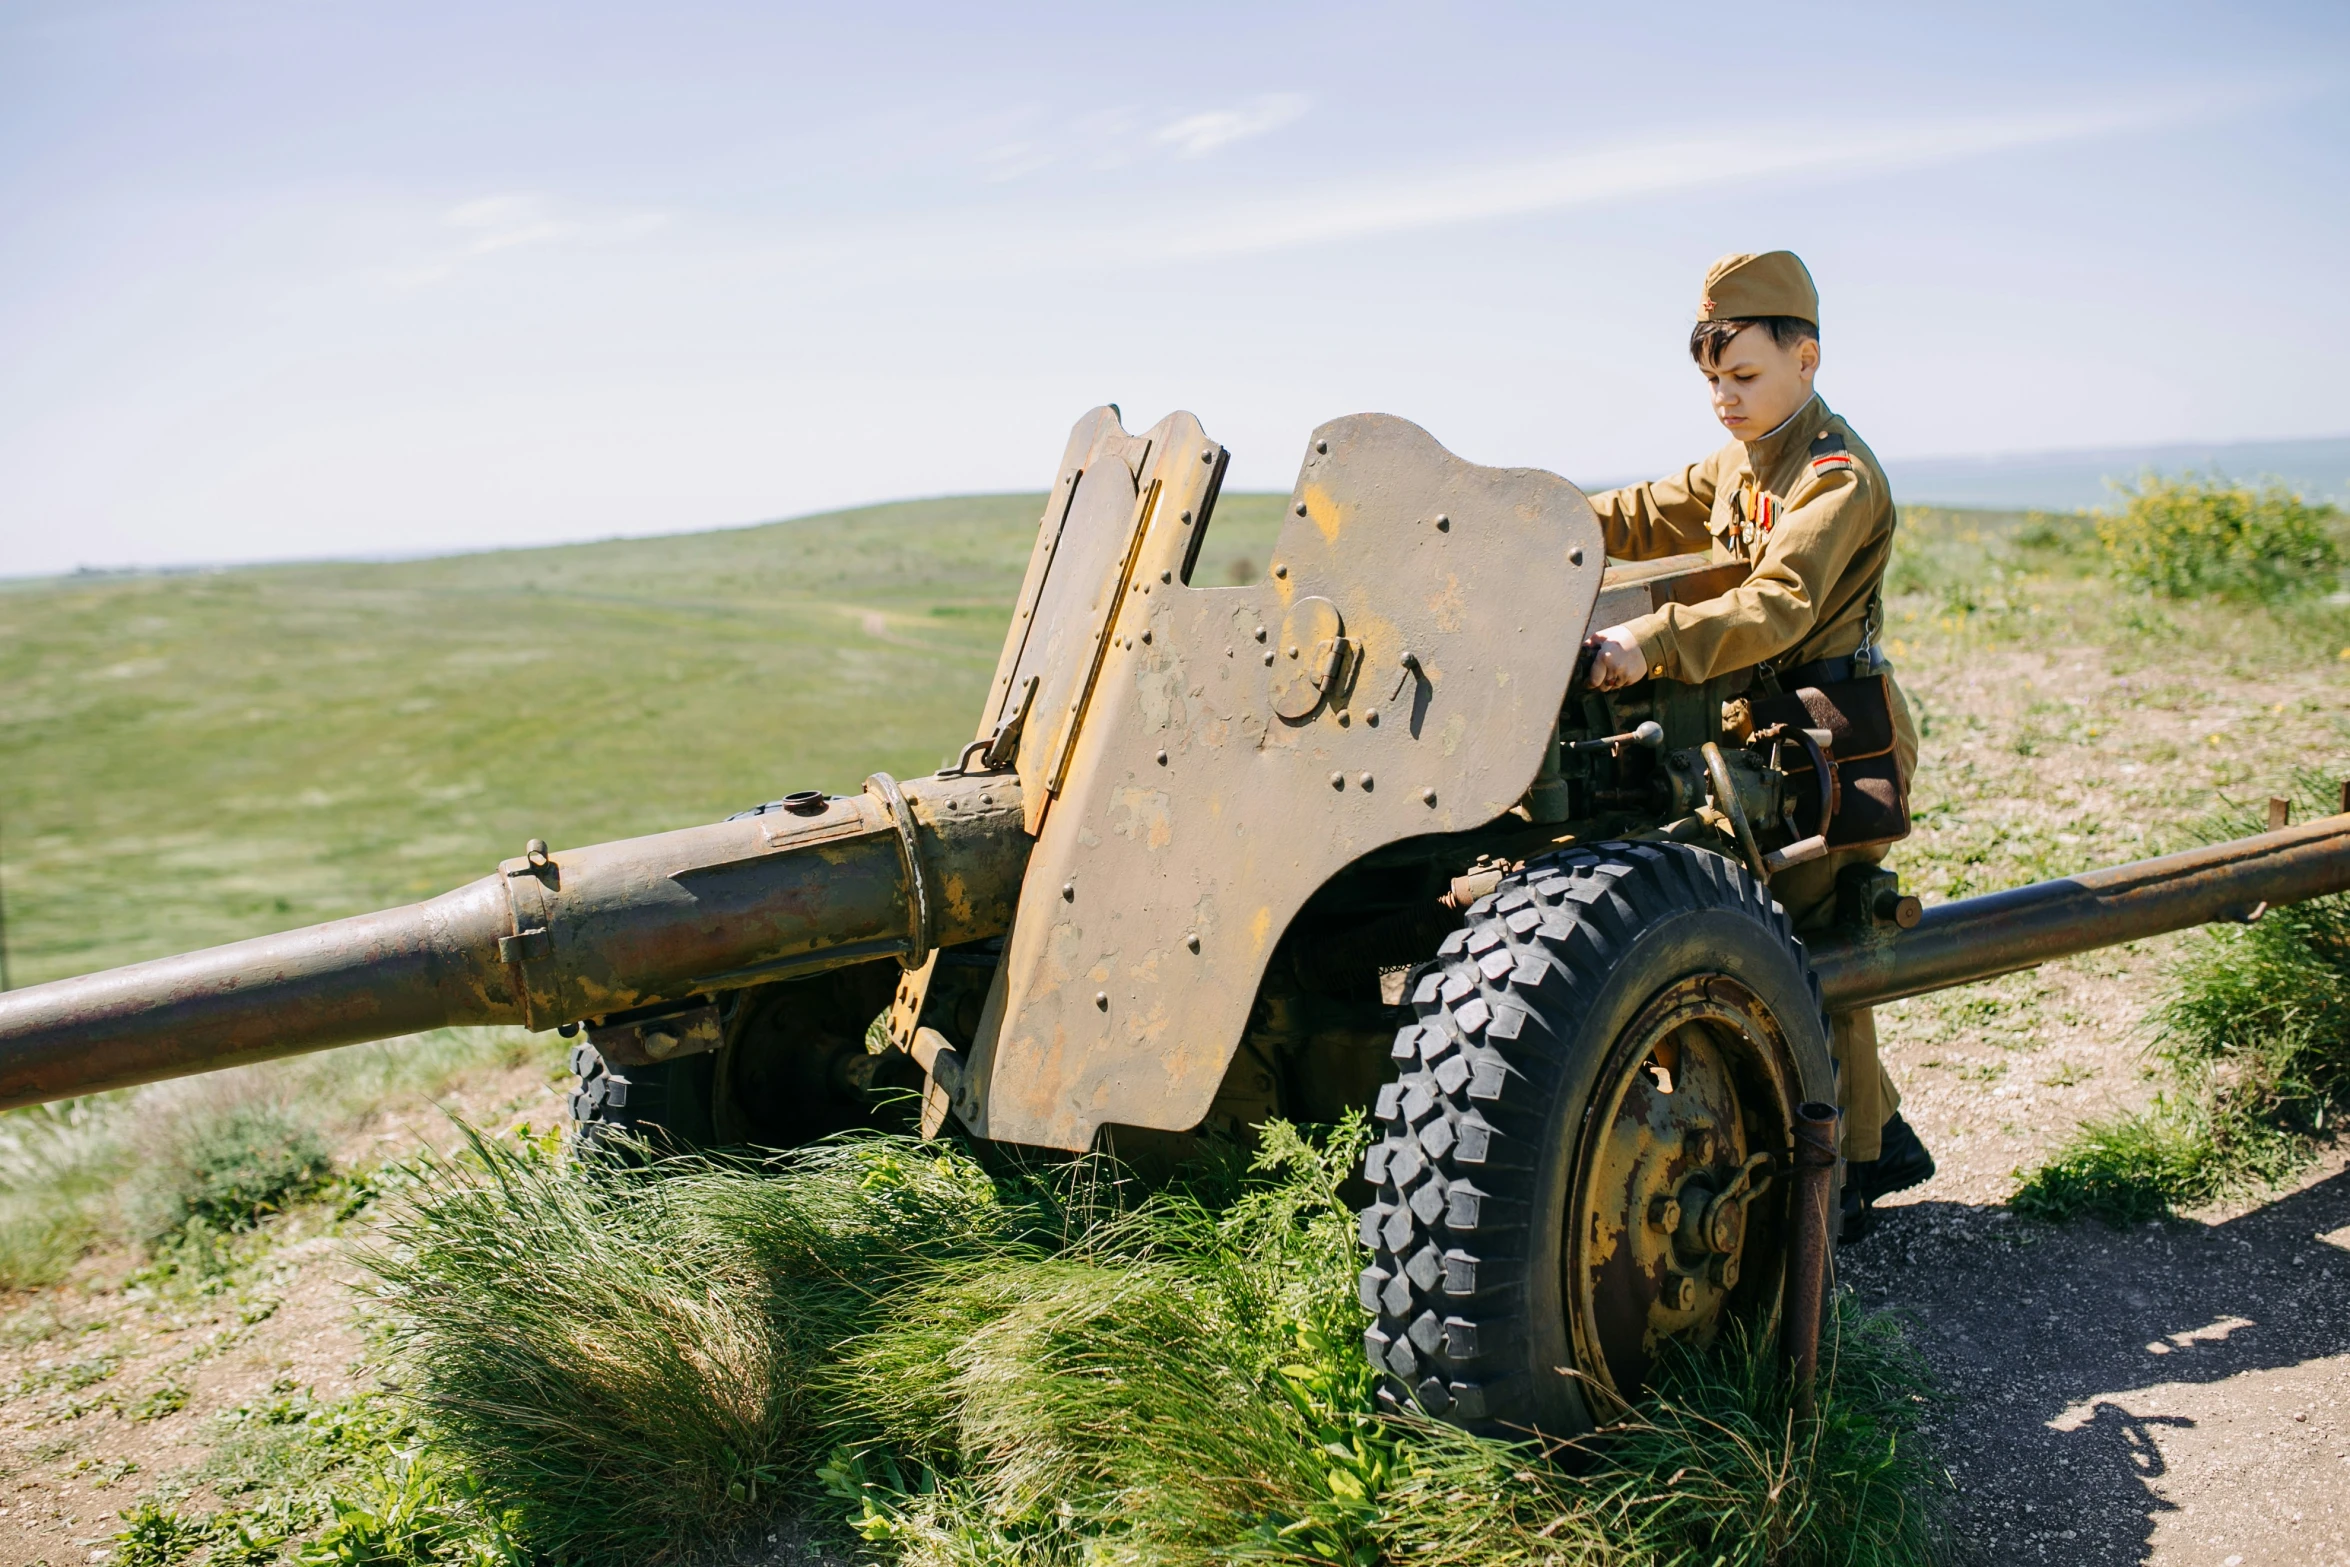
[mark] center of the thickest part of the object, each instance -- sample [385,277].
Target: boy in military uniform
[1798,495]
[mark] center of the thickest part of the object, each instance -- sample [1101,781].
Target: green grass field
[194,758]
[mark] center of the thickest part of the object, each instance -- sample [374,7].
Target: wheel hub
[1689,1107]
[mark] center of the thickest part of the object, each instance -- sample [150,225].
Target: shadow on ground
[2041,1334]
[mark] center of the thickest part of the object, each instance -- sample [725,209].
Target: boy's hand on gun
[1616,659]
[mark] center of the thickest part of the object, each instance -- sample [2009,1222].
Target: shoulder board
[1829,453]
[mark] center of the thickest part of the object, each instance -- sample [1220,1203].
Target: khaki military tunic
[1809,506]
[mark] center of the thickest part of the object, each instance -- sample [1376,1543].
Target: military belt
[1829,671]
[1820,673]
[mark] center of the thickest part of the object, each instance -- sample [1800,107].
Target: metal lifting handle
[919,928]
[1717,773]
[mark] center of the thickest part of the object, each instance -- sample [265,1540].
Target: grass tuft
[2253,1031]
[1043,1366]
[62,1167]
[628,1355]
[2150,1164]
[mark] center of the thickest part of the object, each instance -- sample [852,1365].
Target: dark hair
[1707,339]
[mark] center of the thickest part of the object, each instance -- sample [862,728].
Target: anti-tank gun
[1353,835]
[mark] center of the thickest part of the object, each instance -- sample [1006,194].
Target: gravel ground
[2173,1393]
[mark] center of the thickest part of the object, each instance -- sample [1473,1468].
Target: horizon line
[405,557]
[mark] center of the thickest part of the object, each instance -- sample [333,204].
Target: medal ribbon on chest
[1758,512]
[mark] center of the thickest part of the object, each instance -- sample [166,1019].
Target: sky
[285,281]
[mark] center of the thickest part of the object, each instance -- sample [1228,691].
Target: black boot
[1901,1162]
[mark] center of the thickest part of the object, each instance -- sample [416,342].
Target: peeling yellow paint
[1324,512]
[1449,607]
[1143,816]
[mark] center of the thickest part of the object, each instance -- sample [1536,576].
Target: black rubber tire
[667,1104]
[795,1070]
[1478,1135]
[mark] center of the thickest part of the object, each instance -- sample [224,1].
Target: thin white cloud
[489,224]
[1369,206]
[1014,159]
[1197,135]
[508,222]
[1565,181]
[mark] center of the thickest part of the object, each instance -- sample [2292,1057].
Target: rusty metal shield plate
[1226,750]
[1107,485]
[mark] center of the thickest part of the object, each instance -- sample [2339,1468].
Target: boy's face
[1757,384]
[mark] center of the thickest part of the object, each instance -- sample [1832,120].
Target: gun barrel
[370,977]
[550,939]
[2001,932]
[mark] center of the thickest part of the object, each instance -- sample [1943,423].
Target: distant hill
[2071,480]
[362,733]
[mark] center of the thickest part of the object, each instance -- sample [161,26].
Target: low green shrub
[2053,537]
[230,1163]
[411,1509]
[158,1534]
[345,1482]
[2191,536]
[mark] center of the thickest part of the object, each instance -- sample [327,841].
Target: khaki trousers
[1864,1090]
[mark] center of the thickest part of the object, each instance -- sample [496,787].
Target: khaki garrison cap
[1744,286]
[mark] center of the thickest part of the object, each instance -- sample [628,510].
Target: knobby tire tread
[1461,1131]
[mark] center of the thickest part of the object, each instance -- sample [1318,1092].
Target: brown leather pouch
[1872,806]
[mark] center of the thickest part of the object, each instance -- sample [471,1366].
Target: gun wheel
[1576,1164]
[794,1069]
